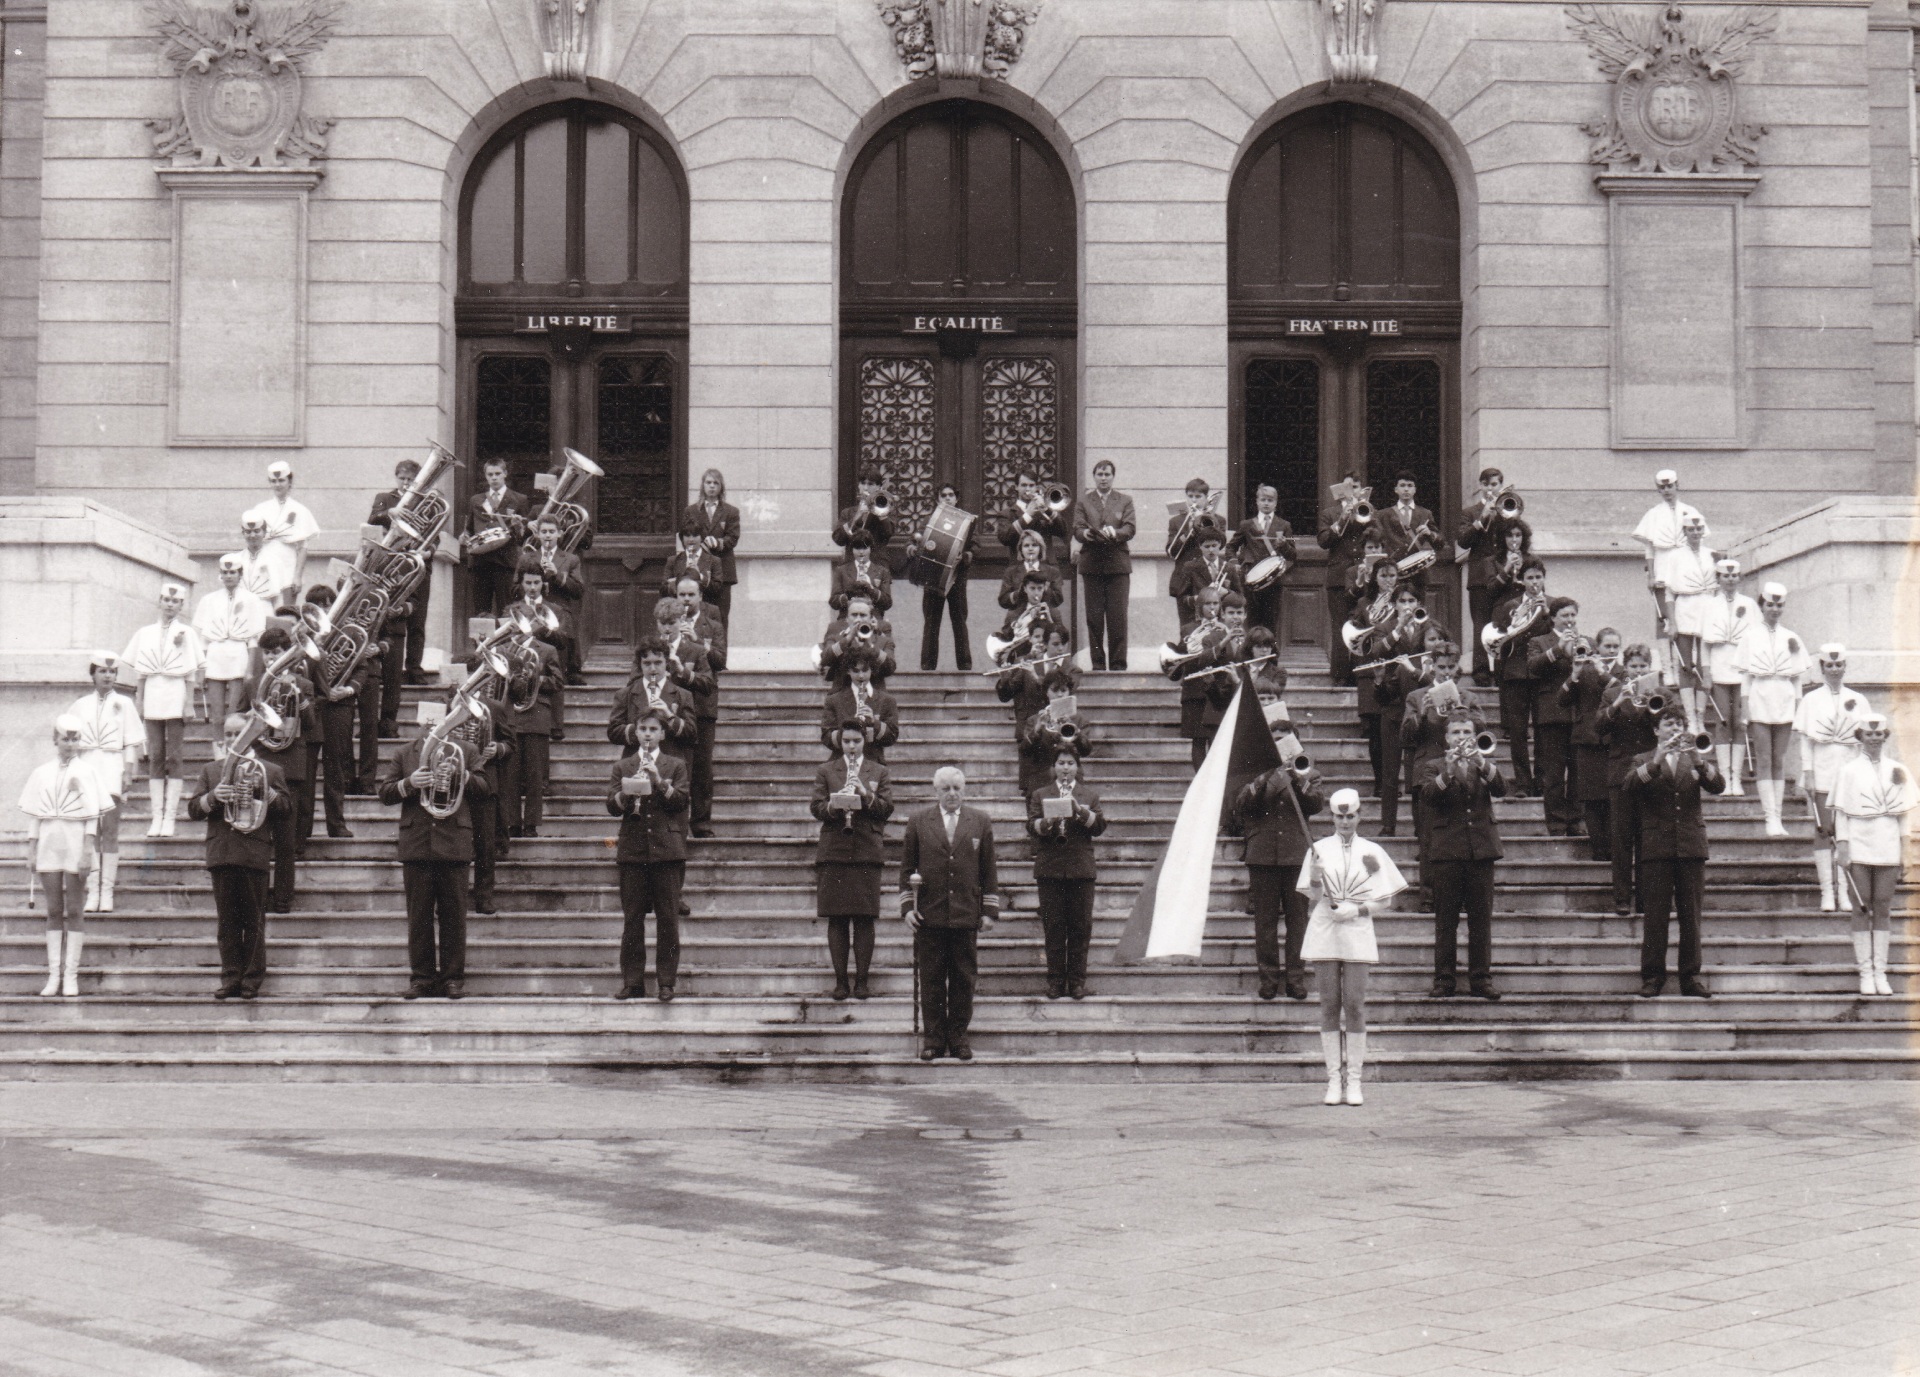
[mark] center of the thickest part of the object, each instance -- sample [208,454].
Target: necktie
[952,821]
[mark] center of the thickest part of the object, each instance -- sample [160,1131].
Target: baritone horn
[573,518]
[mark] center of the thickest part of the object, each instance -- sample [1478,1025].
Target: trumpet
[1301,764]
[1066,731]
[1361,513]
[1485,744]
[879,505]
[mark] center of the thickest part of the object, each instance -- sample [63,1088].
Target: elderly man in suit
[852,800]
[949,894]
[649,793]
[491,511]
[434,856]
[1271,812]
[1064,870]
[1103,522]
[1667,783]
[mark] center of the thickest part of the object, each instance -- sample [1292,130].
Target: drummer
[1263,546]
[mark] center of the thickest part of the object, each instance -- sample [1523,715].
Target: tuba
[523,658]
[242,770]
[574,521]
[280,691]
[445,756]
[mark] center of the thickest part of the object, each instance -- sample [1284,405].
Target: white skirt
[109,767]
[1690,613]
[1330,940]
[63,845]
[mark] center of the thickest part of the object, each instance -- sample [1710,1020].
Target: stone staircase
[752,989]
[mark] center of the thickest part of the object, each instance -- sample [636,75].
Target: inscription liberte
[1328,326]
[603,325]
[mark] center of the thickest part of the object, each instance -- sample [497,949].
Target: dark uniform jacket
[860,844]
[1013,584]
[847,577]
[479,520]
[699,563]
[1063,854]
[706,692]
[1397,531]
[631,702]
[1098,555]
[1423,728]
[1459,817]
[880,528]
[1190,575]
[1582,693]
[959,883]
[538,718]
[1262,813]
[1510,660]
[1486,545]
[881,733]
[423,837]
[1249,548]
[653,829]
[565,586]
[724,525]
[1344,547]
[1053,527]
[1021,687]
[225,845]
[1040,739]
[1629,732]
[293,760]
[1549,664]
[1190,547]
[839,640]
[1671,827]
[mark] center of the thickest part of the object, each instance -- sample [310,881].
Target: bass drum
[1266,573]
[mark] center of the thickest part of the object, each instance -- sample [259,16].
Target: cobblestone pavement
[535,1231]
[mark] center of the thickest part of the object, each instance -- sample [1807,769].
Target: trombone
[1055,498]
[1197,512]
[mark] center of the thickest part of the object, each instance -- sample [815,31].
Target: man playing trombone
[1481,546]
[649,793]
[1271,812]
[1343,535]
[872,512]
[1550,658]
[1186,525]
[1456,792]
[1044,511]
[1668,782]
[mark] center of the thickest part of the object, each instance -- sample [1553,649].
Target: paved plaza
[694,1231]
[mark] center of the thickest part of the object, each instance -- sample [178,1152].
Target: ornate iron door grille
[1019,426]
[513,416]
[897,396]
[635,431]
[1403,427]
[1283,437]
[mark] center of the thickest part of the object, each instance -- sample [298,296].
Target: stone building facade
[1233,239]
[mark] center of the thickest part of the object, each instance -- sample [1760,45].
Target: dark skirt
[847,890]
[1590,774]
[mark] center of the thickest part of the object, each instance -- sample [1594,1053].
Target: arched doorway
[1344,315]
[572,323]
[958,311]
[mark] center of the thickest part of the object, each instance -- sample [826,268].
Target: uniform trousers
[954,604]
[486,843]
[1066,920]
[366,705]
[436,907]
[1461,887]
[1480,603]
[1623,830]
[306,791]
[1270,887]
[1391,768]
[240,903]
[492,588]
[1669,887]
[336,756]
[949,962]
[286,851]
[1516,721]
[526,771]
[1263,608]
[721,595]
[700,759]
[653,886]
[1339,601]
[1106,603]
[1553,751]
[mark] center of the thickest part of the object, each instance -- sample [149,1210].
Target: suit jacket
[653,830]
[1549,665]
[560,610]
[1510,661]
[879,527]
[1262,813]
[1247,547]
[1189,547]
[1013,585]
[1458,817]
[701,673]
[293,760]
[1098,555]
[1671,827]
[423,837]
[498,733]
[1189,576]
[1063,848]
[1021,687]
[839,708]
[565,585]
[1485,545]
[1628,732]
[1052,526]
[1582,693]
[225,844]
[538,718]
[839,640]
[1397,534]
[1423,728]
[702,564]
[723,526]
[478,520]
[1040,739]
[863,843]
[630,703]
[959,882]
[1343,547]
[846,578]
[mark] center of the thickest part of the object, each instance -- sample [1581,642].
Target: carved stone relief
[1353,51]
[1674,106]
[566,37]
[240,88]
[959,39]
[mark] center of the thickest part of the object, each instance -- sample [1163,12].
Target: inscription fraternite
[1674,106]
[239,83]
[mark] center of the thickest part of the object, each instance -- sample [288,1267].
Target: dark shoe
[961,1049]
[226,992]
[928,1052]
[1483,681]
[454,989]
[1694,989]
[529,832]
[1120,668]
[417,989]
[1623,910]
[632,992]
[514,833]
[1536,791]
[1269,989]
[557,734]
[685,912]
[1603,857]
[340,832]
[1555,832]
[1392,831]
[485,906]
[576,680]
[1486,992]
[840,991]
[702,829]
[1296,987]
[1056,989]
[666,994]
[1576,829]
[1076,989]
[965,667]
[1650,989]
[417,678]
[389,729]
[1442,989]
[278,907]
[249,992]
[860,990]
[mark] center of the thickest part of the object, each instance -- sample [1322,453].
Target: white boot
[156,805]
[1773,800]
[70,968]
[1736,767]
[1863,960]
[1723,757]
[52,987]
[174,788]
[1882,942]
[1330,1050]
[1356,1062]
[109,872]
[92,904]
[1823,869]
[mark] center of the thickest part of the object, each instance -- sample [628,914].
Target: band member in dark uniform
[652,690]
[1516,621]
[237,863]
[1549,665]
[1463,844]
[691,559]
[649,792]
[491,738]
[859,629]
[852,800]
[1583,694]
[536,607]
[1271,812]
[1064,871]
[1264,535]
[1239,646]
[1668,781]
[1185,529]
[408,641]
[862,517]
[1376,624]
[1482,542]
[336,731]
[699,633]
[1405,635]
[434,856]
[1209,568]
[1200,638]
[566,587]
[1030,559]
[1433,701]
[1627,726]
[1052,729]
[1031,512]
[1406,527]
[1103,521]
[495,509]
[714,523]
[1023,683]
[860,701]
[293,764]
[931,575]
[949,895]
[1343,535]
[863,571]
[529,767]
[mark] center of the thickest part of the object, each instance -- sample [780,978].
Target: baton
[33,880]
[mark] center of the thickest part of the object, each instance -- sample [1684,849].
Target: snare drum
[487,541]
[1417,562]
[1266,573]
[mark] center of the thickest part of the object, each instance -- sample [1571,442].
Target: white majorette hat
[279,468]
[68,725]
[1344,803]
[102,659]
[1774,590]
[1832,653]
[1665,476]
[1693,521]
[236,563]
[1872,722]
[170,589]
[1726,566]
[254,523]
